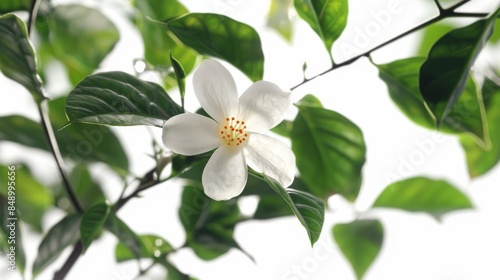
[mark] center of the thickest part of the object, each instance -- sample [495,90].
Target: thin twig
[445,13]
[73,257]
[54,149]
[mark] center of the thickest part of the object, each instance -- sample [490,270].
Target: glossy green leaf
[309,209]
[158,42]
[222,37]
[209,224]
[125,235]
[360,242]
[466,116]
[92,222]
[117,98]
[430,35]
[278,18]
[81,37]
[421,194]
[444,74]
[14,5]
[152,247]
[480,159]
[174,273]
[63,234]
[79,143]
[327,18]
[10,234]
[284,128]
[329,148]
[32,198]
[17,57]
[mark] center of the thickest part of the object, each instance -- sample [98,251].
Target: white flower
[236,132]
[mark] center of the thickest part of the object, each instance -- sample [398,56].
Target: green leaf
[278,18]
[467,115]
[284,128]
[209,224]
[152,247]
[444,74]
[125,235]
[329,148]
[180,76]
[14,5]
[87,190]
[65,233]
[360,242]
[10,234]
[480,159]
[309,209]
[222,37]
[17,57]
[92,221]
[78,142]
[327,18]
[32,198]
[420,194]
[495,37]
[117,98]
[431,35]
[80,37]
[174,273]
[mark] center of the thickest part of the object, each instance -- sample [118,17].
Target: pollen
[233,132]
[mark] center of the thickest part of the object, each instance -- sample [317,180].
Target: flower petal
[190,134]
[225,174]
[216,90]
[263,106]
[270,157]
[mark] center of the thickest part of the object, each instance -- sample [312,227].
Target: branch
[77,251]
[443,13]
[54,149]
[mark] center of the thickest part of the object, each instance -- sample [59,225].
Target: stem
[54,149]
[77,251]
[443,13]
[35,4]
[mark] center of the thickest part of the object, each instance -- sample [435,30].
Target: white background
[465,245]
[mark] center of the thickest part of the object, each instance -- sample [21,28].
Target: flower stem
[443,13]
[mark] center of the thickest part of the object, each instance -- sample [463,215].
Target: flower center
[232,132]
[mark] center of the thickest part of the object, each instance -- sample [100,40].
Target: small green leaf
[278,18]
[125,235]
[420,194]
[209,224]
[11,225]
[495,37]
[32,198]
[174,273]
[482,159]
[222,37]
[17,57]
[65,233]
[329,148]
[444,74]
[92,221]
[180,76]
[80,37]
[284,128]
[79,143]
[309,209]
[14,5]
[360,242]
[327,18]
[117,98]
[152,247]
[466,116]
